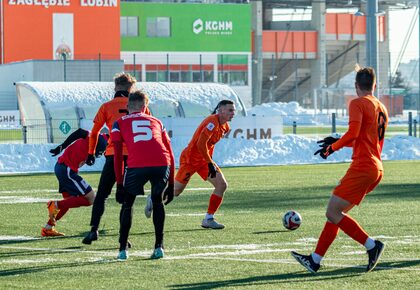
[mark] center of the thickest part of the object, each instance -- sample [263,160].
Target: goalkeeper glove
[212,170]
[120,194]
[325,151]
[327,141]
[57,150]
[168,195]
[90,160]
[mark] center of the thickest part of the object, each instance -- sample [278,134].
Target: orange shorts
[354,186]
[186,170]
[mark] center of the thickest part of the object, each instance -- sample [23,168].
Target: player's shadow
[49,266]
[272,279]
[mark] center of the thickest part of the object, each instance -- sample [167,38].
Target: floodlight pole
[418,95]
[372,38]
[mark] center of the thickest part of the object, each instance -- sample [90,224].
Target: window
[129,26]
[151,76]
[158,26]
[233,69]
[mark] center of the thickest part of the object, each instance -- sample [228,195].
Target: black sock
[158,222]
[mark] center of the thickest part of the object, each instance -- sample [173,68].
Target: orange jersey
[201,147]
[368,119]
[107,114]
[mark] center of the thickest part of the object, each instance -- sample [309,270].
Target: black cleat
[91,236]
[307,262]
[129,244]
[374,255]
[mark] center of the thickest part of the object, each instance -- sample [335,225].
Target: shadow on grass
[298,277]
[35,269]
[272,279]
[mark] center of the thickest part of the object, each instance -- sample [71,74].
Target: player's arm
[167,142]
[168,195]
[202,145]
[204,150]
[78,134]
[118,152]
[355,123]
[98,123]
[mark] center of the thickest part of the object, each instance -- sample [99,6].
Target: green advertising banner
[185,27]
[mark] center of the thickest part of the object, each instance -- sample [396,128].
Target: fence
[38,132]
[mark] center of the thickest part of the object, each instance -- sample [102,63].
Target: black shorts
[136,178]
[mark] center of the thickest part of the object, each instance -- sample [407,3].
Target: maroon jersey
[146,140]
[75,155]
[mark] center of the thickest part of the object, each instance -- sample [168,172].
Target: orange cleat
[52,210]
[50,233]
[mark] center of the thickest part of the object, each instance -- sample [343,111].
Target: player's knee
[156,198]
[332,216]
[222,186]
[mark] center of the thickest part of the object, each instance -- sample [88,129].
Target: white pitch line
[43,190]
[207,256]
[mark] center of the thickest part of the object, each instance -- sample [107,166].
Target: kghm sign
[213,27]
[49,3]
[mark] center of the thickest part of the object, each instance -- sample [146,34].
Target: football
[292,220]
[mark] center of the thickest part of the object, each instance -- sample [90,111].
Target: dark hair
[365,78]
[222,103]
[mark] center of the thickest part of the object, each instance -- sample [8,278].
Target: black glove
[325,151]
[120,194]
[212,170]
[90,160]
[57,150]
[327,141]
[168,195]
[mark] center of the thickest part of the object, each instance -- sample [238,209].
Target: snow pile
[287,149]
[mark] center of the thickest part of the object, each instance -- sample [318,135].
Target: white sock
[209,216]
[48,227]
[317,258]
[369,244]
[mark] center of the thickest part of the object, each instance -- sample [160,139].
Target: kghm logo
[198,26]
[213,27]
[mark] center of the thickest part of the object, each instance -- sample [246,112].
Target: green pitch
[252,252]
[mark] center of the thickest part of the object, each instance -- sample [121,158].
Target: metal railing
[38,132]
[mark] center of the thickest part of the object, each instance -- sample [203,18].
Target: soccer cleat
[50,233]
[129,244]
[374,255]
[122,255]
[91,236]
[149,207]
[157,254]
[306,261]
[212,224]
[52,209]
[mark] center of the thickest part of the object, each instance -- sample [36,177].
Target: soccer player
[197,157]
[107,114]
[368,119]
[75,190]
[150,158]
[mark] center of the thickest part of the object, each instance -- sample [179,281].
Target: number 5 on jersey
[141,130]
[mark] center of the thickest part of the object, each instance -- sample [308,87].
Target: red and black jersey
[147,142]
[145,138]
[75,155]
